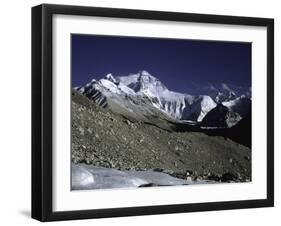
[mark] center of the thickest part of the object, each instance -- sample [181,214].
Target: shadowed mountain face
[242,132]
[241,105]
[221,117]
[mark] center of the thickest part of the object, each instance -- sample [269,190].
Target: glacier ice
[92,177]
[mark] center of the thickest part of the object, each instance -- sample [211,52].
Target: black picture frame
[42,111]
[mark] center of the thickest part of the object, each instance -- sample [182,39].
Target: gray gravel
[104,139]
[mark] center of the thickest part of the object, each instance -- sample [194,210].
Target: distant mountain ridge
[142,96]
[223,92]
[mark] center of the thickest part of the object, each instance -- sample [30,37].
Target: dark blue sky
[182,65]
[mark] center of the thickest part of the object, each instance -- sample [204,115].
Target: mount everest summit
[143,97]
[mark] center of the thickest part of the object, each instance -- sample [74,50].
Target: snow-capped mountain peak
[145,73]
[148,90]
[143,85]
[111,78]
[225,93]
[151,86]
[143,82]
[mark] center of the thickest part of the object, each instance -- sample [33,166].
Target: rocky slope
[103,138]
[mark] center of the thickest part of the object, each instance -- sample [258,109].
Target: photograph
[149,112]
[145,112]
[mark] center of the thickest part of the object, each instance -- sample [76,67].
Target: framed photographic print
[145,112]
